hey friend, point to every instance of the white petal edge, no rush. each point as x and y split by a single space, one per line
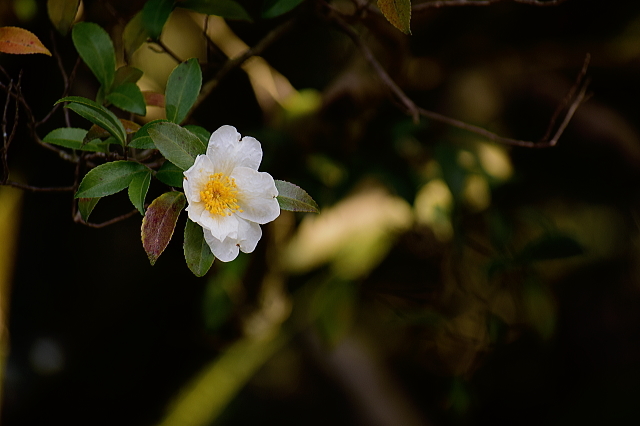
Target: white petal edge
196 177
225 250
249 233
256 196
221 227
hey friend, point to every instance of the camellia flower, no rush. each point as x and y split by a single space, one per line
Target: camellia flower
228 196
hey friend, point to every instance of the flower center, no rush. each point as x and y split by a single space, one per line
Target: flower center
219 195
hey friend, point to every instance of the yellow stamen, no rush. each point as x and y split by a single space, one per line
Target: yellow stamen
219 195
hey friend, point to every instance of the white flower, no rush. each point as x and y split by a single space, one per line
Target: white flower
227 195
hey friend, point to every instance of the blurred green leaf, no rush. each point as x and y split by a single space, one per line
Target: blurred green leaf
293 198
97 114
108 178
170 174
154 15
128 97
86 205
227 9
62 13
134 34
73 138
398 12
159 223
196 250
273 8
127 74
96 50
176 143
550 246
182 90
138 189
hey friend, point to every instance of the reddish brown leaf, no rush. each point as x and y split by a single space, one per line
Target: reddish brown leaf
398 12
153 99
159 222
20 41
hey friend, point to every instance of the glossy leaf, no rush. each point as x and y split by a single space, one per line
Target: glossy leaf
73 138
85 206
182 90
128 97
96 50
142 140
108 178
154 15
170 174
398 12
97 132
134 34
97 114
159 223
62 13
273 8
293 198
196 250
138 189
227 9
176 143
20 41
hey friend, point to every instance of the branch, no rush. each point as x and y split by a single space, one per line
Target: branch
78 219
233 63
444 3
30 188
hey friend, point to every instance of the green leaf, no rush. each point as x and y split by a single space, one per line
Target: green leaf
398 12
183 87
96 50
273 8
548 247
177 144
170 174
128 97
62 13
227 9
108 178
134 34
159 222
141 139
127 74
138 189
85 206
154 15
73 138
196 250
97 114
200 132
294 198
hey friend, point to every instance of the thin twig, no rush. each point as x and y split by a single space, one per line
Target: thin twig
78 219
166 50
30 188
409 106
236 62
445 3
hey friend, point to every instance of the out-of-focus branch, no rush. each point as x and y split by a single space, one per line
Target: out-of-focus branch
576 96
236 62
446 3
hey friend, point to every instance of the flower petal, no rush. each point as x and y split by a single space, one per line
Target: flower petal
227 151
221 227
196 177
249 233
256 196
225 250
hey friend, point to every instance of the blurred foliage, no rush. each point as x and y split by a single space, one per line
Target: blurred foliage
447 280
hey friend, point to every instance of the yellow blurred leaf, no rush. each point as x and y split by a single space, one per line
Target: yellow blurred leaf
398 12
20 41
62 13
